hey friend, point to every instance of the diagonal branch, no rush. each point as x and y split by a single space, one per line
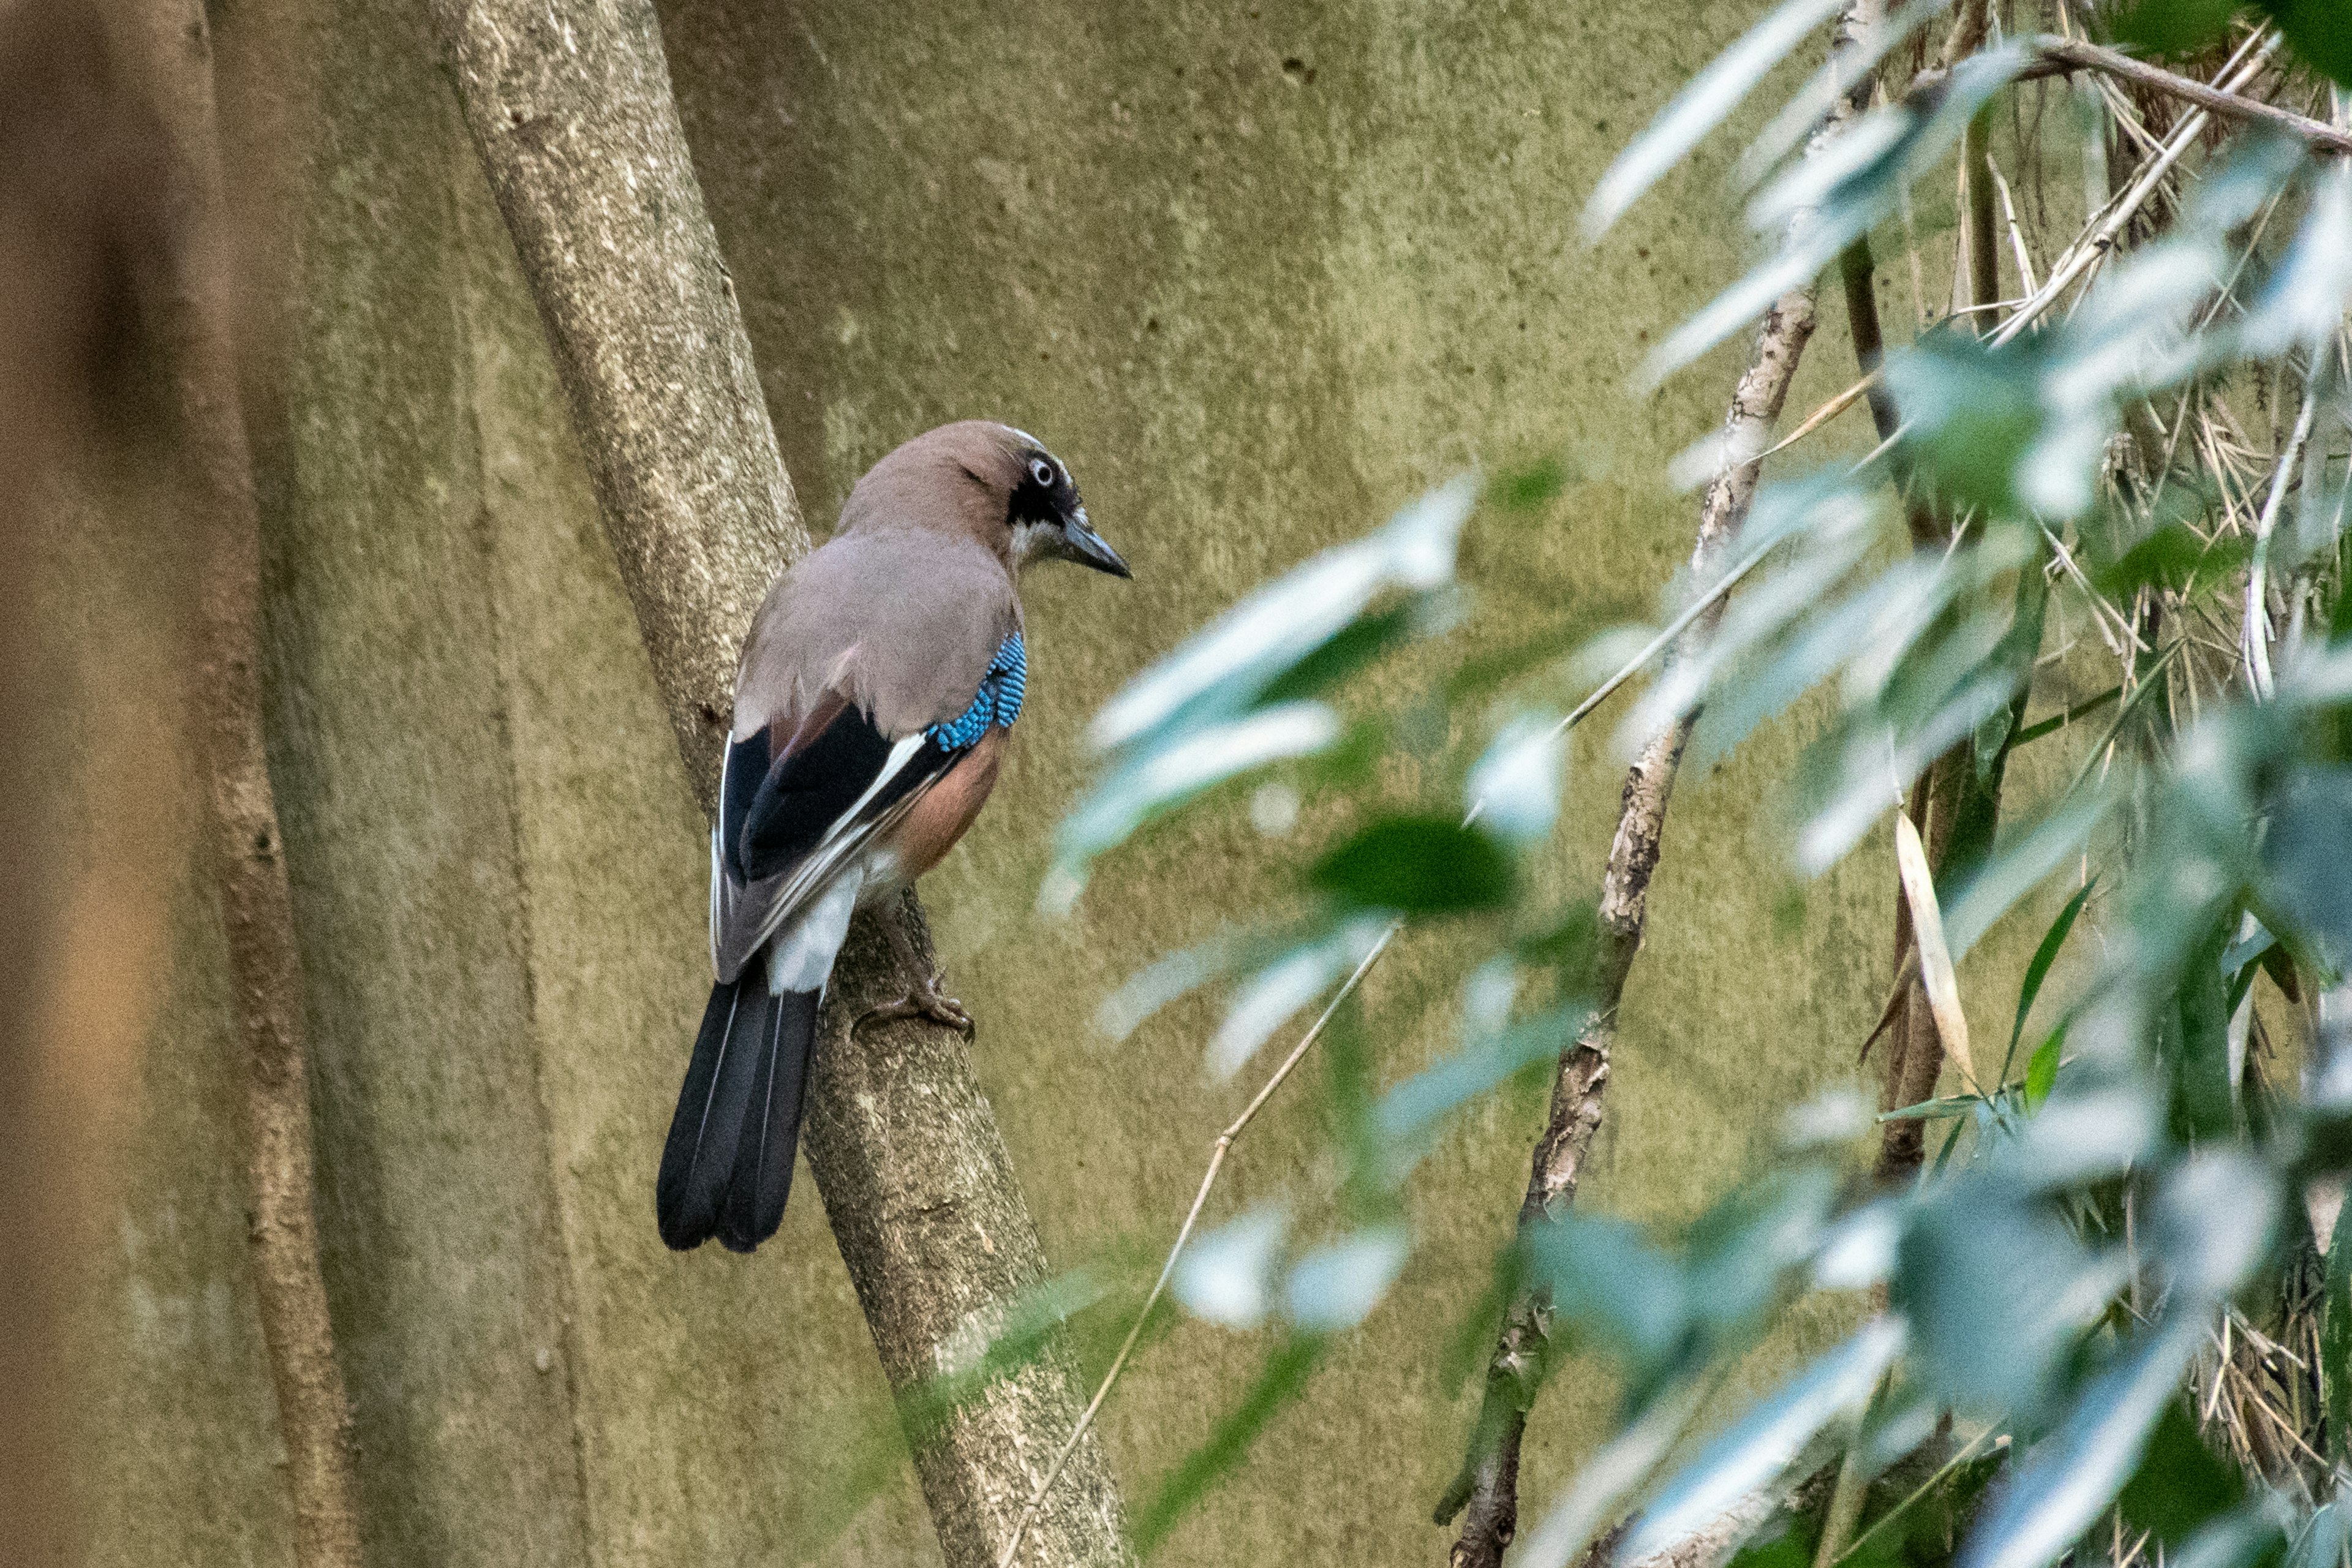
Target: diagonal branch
184 279
569 107
2061 56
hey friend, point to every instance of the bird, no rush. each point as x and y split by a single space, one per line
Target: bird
873 699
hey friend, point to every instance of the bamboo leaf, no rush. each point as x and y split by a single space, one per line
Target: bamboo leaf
1227 1276
2038 970
2016 869
1700 107
1282 988
2077 1472
1623 1463
1766 1441
1515 786
2042 1071
1335 1287
1278 627
1419 865
2179 1486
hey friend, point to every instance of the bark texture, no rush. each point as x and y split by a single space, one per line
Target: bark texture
188 307
571 110
570 107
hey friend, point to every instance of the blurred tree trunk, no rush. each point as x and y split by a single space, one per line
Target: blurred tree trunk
75 995
186 295
571 109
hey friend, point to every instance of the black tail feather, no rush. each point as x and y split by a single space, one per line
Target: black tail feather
728 1166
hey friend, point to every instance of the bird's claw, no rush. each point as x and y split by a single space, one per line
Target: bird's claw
922 1002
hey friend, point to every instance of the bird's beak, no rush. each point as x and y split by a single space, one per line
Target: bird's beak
1082 545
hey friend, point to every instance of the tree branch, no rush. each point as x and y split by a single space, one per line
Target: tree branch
2062 57
569 107
185 282
1486 1491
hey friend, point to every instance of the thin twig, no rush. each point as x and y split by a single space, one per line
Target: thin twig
1599 694
1184 1234
1827 412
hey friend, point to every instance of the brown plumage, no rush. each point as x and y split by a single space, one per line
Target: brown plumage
871 706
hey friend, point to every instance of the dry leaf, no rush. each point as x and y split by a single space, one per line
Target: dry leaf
1935 957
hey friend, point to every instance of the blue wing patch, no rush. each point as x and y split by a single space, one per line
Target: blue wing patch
998 701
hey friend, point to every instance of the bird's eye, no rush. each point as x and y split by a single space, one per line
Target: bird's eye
1041 471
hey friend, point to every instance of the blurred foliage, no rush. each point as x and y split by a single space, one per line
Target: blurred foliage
2099 1323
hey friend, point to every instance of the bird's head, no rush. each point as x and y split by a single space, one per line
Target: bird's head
993 482
1047 519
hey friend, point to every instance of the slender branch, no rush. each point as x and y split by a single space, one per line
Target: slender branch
1968 32
1984 247
570 107
2061 56
1703 606
187 300
1224 1146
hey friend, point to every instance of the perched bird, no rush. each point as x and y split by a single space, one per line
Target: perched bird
871 706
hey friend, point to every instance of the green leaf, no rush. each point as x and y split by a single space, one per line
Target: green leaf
2320 30
2071 1475
1767 1440
1613 1291
1279 1383
2042 1072
2038 970
1973 413
2175 26
2336 1338
1362 641
1419 865
1407 1111
2169 558
1998 1289
2057 721
2196 1041
2180 1484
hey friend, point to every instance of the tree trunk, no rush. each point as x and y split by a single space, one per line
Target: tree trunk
571 109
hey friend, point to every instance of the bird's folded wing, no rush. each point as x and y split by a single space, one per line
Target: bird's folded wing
789 820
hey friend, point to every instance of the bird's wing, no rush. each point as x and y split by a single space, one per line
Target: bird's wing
787 822
794 811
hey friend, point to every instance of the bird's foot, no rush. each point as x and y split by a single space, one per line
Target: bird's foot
922 1002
